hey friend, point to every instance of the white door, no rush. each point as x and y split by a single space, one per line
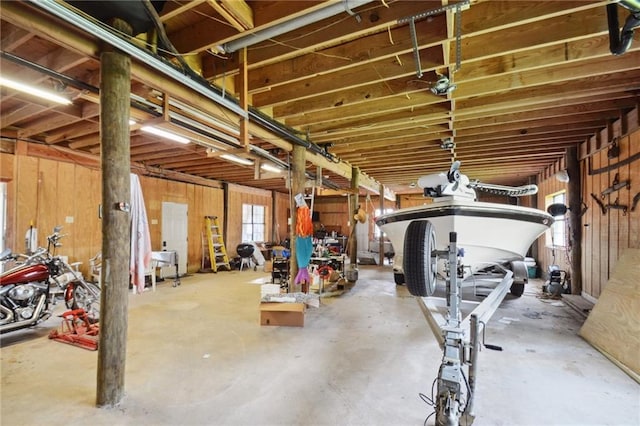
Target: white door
175 235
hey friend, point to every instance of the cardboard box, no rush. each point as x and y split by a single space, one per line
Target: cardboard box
286 314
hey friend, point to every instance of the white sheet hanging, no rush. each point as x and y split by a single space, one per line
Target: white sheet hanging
140 237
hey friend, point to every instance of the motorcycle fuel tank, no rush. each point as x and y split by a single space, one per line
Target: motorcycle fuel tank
25 274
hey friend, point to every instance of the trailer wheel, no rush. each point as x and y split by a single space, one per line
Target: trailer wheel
517 289
418 263
520 277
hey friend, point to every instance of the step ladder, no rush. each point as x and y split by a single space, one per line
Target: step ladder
213 248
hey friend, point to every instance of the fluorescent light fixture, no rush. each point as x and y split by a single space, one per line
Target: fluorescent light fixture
44 94
270 168
164 134
237 159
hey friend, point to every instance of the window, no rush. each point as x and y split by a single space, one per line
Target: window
253 222
556 235
376 229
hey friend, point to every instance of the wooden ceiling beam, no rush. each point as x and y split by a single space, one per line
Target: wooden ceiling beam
199 37
20 113
403 86
432 105
351 78
173 9
13 37
339 29
389 44
240 11
589 86
596 68
551 113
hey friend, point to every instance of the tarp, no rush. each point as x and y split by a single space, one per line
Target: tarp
140 237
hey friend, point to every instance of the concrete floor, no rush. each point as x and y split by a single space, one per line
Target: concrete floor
197 356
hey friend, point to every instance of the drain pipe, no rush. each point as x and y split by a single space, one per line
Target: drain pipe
294 24
619 42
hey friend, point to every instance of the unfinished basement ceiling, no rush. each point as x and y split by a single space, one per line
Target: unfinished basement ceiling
531 79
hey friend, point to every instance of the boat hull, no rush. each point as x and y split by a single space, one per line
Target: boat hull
489 233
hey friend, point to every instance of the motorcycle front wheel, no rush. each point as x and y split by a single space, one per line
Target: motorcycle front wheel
84 296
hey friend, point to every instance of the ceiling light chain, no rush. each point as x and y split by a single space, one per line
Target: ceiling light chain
411 20
416 51
432 12
458 23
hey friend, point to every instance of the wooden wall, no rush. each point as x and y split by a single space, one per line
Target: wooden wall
47 193
201 201
604 236
281 214
335 215
545 251
237 195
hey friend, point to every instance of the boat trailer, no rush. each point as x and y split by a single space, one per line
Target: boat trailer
459 339
77 330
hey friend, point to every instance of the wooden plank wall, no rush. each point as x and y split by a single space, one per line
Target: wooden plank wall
282 209
7 176
605 236
237 195
49 193
334 213
548 255
201 201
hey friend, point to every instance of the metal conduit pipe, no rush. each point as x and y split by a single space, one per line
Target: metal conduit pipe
212 92
294 24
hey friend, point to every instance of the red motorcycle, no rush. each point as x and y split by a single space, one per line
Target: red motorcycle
25 288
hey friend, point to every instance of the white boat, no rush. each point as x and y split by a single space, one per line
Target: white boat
489 233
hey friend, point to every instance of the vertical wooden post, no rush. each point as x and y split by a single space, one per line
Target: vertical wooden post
381 202
297 187
115 86
575 218
353 209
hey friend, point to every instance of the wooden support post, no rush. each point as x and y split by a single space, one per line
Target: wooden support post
297 187
353 209
575 218
381 202
115 87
